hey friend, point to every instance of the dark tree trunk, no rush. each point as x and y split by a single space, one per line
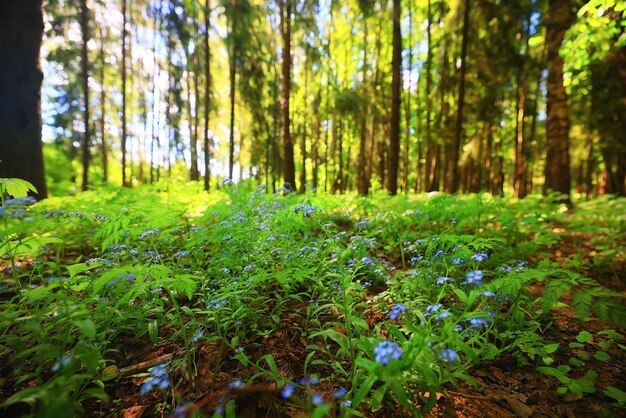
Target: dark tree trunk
21 31
103 140
125 181
362 180
207 96
454 175
289 168
304 131
558 21
394 130
428 103
521 165
233 76
84 63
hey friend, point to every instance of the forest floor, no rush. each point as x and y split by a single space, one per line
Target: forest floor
590 359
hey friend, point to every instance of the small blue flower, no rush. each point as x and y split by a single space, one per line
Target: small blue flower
362 224
236 384
158 378
366 261
474 277
347 403
197 336
443 279
430 309
288 390
340 393
480 257
444 314
449 355
386 351
396 311
317 399
457 261
61 363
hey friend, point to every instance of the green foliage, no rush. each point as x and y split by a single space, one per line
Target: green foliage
385 295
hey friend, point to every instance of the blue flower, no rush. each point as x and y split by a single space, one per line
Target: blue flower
317 399
236 384
474 277
386 351
457 261
340 393
216 303
197 336
448 355
362 224
347 403
288 390
443 279
444 314
366 261
430 309
61 363
396 311
158 378
480 257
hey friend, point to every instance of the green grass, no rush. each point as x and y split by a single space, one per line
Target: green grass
261 290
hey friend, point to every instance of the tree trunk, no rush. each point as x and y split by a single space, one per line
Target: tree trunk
407 110
454 175
304 132
207 96
394 130
521 165
21 31
363 181
103 141
233 76
557 174
428 103
84 63
125 181
289 168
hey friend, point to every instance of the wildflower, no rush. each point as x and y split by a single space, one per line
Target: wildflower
386 351
347 403
158 378
236 384
417 259
362 224
396 311
219 410
216 303
439 253
317 399
457 261
366 260
149 233
478 322
474 277
228 182
488 294
340 393
197 336
480 257
299 208
430 309
448 355
309 210
443 279
62 362
444 314
287 390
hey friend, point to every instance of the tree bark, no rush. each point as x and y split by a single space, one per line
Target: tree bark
394 130
363 181
84 27
21 31
103 141
207 96
454 175
557 174
125 182
289 168
233 76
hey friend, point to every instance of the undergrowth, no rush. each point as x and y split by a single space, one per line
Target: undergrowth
384 302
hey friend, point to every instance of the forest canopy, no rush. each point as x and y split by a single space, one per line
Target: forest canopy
420 95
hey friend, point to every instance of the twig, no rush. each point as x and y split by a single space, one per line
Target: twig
144 365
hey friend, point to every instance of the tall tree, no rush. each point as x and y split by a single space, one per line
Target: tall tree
454 174
558 20
21 31
394 131
104 148
289 167
84 26
125 180
207 95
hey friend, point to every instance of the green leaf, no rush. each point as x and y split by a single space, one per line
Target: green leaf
153 331
18 188
363 390
584 337
87 327
617 394
602 356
